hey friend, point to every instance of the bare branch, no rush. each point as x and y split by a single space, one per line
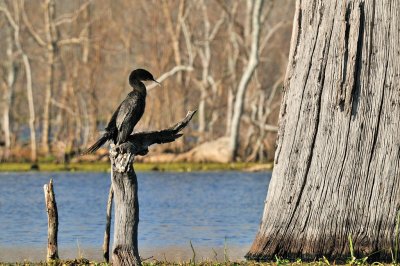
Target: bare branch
170 73
70 41
62 106
71 17
142 140
267 127
186 35
271 32
231 16
216 28
31 30
9 18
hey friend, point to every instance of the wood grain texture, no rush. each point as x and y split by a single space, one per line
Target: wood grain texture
106 239
124 186
337 165
52 222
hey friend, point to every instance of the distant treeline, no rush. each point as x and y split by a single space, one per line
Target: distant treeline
65 64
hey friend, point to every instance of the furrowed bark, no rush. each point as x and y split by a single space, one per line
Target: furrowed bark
52 219
337 164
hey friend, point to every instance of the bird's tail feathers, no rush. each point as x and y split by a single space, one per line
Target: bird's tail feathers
103 139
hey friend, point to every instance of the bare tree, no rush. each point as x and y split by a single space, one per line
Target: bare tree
80 53
206 84
245 79
52 44
14 22
9 77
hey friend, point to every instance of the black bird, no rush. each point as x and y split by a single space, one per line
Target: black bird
128 112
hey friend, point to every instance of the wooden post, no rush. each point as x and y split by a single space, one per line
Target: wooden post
52 219
124 185
106 242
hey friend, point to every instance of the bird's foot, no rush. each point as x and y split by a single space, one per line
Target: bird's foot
125 147
128 147
122 156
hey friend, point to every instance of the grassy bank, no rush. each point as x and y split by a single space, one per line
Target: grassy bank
105 167
200 263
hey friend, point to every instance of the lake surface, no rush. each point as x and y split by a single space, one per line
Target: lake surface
175 208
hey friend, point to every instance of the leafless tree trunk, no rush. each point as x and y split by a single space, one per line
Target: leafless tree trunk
10 68
337 164
52 220
174 33
245 79
232 60
15 24
31 107
229 111
51 46
204 51
86 52
124 185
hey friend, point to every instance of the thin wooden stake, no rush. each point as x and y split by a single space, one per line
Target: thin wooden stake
52 220
106 242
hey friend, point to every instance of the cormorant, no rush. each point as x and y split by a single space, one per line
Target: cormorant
128 112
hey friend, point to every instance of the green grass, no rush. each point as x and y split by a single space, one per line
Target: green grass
188 263
105 166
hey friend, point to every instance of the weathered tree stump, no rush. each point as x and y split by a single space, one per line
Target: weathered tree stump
124 185
52 219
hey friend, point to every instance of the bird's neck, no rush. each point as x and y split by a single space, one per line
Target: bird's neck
137 85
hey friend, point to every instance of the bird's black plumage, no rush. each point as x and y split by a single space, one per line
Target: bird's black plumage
128 112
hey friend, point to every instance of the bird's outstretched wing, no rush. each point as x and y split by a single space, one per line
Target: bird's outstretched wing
142 140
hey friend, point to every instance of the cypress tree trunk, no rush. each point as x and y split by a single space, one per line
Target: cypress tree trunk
337 164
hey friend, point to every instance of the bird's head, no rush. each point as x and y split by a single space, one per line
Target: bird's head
141 75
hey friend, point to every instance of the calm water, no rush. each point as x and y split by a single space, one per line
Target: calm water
175 208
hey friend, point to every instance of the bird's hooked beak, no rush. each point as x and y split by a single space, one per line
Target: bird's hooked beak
158 83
